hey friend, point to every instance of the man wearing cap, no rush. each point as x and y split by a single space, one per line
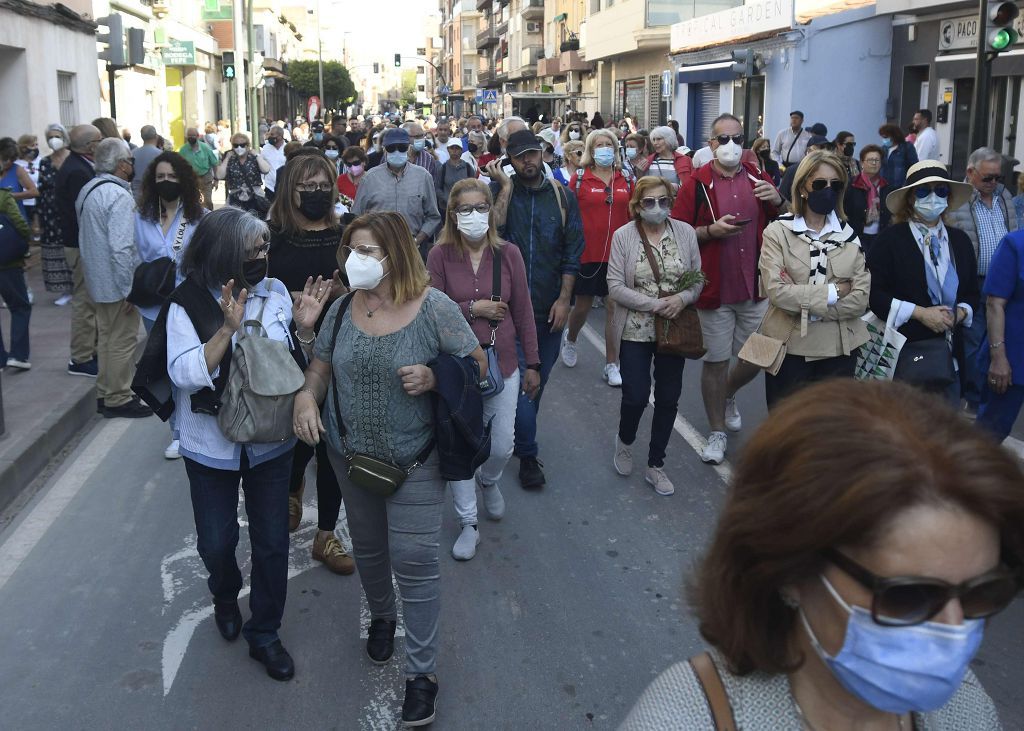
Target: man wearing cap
401 187
791 143
542 218
418 154
450 172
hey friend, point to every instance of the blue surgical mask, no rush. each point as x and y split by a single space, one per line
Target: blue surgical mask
318 136
930 207
418 145
398 159
900 669
886 142
331 154
604 156
630 153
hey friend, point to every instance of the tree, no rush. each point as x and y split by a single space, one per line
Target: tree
338 86
408 90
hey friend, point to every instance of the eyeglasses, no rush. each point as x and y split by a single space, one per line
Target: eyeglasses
901 601
467 209
365 251
992 178
724 139
822 183
939 189
313 187
261 251
649 204
397 147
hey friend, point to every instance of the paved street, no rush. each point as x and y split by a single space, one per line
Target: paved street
572 605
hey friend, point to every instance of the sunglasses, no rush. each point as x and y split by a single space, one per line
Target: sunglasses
397 147
724 139
939 189
902 601
650 203
992 178
313 187
821 184
609 198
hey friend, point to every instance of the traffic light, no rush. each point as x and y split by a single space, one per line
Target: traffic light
744 63
376 68
398 60
228 65
114 38
136 46
1000 34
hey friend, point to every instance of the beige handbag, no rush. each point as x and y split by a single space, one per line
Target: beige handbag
764 351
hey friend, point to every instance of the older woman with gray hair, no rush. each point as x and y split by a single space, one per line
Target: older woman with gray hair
225 286
56 272
669 160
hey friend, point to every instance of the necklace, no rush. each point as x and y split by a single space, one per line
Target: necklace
369 312
810 727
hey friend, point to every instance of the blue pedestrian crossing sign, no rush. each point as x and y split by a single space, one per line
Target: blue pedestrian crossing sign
487 96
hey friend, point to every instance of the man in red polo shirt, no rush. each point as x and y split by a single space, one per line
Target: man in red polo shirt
729 203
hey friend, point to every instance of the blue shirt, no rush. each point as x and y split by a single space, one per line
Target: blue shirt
1006 280
991 229
152 244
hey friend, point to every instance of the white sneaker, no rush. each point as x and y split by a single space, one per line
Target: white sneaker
714 452
659 480
494 501
171 452
21 365
62 300
733 421
569 354
612 375
465 546
623 459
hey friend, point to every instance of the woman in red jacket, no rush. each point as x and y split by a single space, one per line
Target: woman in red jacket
669 161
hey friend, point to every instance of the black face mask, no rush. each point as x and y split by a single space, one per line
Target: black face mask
848 149
472 147
765 154
822 201
254 271
168 190
314 204
193 140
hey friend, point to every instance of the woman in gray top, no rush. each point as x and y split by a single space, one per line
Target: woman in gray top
394 325
867 537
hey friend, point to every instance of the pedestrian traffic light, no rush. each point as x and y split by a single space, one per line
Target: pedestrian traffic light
744 63
1000 34
228 72
136 46
114 39
376 68
398 60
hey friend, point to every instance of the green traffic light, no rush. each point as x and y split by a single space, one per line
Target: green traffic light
1002 39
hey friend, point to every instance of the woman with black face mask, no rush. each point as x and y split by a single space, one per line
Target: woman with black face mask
304 239
817 283
168 212
846 145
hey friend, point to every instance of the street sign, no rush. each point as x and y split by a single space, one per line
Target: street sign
666 84
179 53
444 91
313 108
962 33
488 96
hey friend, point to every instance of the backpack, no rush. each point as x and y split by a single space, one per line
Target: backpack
256 406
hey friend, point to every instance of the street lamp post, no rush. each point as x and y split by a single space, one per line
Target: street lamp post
320 59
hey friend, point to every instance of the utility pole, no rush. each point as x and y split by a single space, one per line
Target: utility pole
996 34
241 120
320 60
254 106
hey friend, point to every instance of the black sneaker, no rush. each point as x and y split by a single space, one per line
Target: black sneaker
133 409
531 474
89 368
418 708
380 640
99 406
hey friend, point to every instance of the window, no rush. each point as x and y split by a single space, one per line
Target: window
629 99
667 12
467 78
66 98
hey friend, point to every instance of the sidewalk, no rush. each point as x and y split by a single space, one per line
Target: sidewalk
44 408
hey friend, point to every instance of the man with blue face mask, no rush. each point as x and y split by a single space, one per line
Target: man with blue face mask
402 187
418 154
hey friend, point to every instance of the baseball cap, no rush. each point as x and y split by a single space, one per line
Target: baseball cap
396 136
522 141
454 142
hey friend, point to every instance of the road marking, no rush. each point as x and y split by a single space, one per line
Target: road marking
686 430
1015 445
31 530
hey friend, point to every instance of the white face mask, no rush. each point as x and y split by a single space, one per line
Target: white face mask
574 135
473 225
729 155
364 272
55 143
240 150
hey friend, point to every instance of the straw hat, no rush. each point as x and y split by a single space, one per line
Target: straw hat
929 171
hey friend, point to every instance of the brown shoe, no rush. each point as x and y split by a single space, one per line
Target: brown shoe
295 508
327 549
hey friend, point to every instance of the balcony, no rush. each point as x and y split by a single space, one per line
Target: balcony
481 4
562 64
532 9
501 29
528 58
484 78
487 37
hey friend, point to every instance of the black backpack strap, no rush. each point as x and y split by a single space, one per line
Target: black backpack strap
338 318
495 287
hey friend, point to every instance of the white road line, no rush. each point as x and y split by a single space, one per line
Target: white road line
31 530
1015 445
686 430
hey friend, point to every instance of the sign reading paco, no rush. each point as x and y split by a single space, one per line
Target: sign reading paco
957 33
751 19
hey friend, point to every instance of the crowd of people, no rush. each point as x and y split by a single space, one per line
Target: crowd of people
395 259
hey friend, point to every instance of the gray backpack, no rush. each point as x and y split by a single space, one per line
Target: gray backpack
256 406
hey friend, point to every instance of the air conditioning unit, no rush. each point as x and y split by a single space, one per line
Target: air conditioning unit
533 26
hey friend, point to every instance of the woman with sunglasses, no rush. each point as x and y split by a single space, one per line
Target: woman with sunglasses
462 266
575 131
354 166
243 171
603 193
639 295
817 284
867 537
927 271
572 159
225 268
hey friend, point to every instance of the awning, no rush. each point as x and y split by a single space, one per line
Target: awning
707 72
537 95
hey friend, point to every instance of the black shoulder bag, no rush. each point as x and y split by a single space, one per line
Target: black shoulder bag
376 476
495 382
153 281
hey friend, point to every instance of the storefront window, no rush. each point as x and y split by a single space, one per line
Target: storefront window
667 12
751 127
629 99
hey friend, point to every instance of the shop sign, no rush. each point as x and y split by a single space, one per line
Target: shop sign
179 53
962 33
754 18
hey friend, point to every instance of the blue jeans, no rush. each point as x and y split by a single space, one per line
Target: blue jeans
998 412
635 364
14 292
974 377
549 342
215 506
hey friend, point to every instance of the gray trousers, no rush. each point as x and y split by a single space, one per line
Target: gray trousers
400 534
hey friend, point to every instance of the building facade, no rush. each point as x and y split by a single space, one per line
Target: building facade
564 70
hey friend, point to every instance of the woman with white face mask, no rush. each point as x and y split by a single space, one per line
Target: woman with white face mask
372 373
927 272
56 273
867 537
573 132
462 266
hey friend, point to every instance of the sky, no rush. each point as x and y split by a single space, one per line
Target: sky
376 31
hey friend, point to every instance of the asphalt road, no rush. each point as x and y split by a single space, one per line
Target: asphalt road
572 605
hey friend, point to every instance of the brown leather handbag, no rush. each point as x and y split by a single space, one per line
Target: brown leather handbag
714 690
683 335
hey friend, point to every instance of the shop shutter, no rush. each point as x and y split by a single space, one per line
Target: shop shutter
653 101
709 99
